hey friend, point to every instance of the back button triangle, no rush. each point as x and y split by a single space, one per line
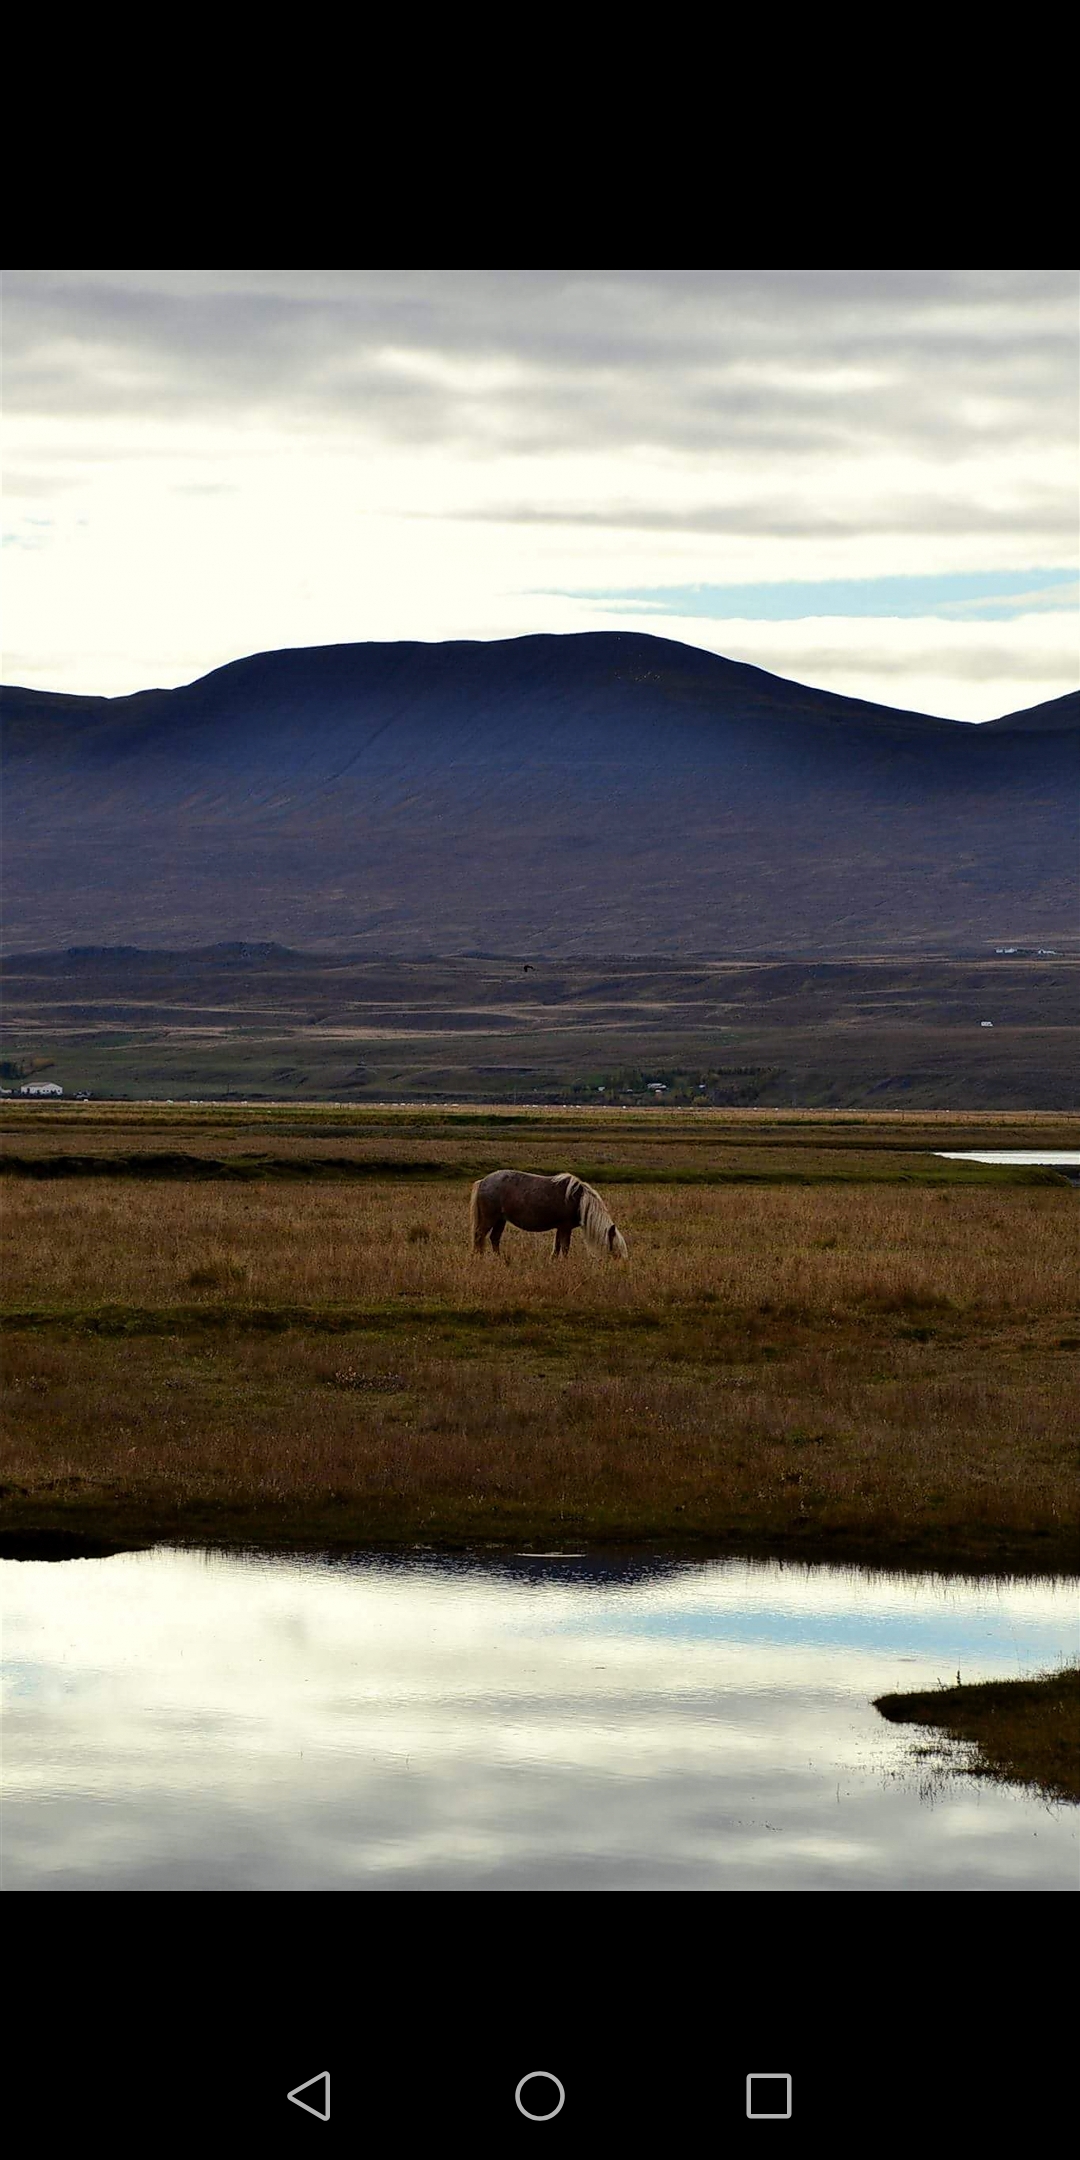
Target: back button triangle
318 2101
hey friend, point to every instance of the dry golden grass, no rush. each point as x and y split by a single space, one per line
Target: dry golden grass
131 1116
682 1150
715 1141
402 1431
805 1252
882 1366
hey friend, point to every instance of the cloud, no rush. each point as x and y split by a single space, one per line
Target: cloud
968 664
776 361
1039 511
242 459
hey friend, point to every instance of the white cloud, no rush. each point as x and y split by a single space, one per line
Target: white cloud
237 460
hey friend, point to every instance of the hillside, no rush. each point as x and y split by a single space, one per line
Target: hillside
566 796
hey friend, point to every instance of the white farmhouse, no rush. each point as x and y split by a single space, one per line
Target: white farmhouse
42 1087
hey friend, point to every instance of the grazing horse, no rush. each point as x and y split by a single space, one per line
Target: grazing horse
563 1204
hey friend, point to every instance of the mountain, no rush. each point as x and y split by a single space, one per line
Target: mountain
1058 712
588 794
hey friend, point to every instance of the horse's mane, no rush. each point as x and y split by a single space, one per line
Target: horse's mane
593 1215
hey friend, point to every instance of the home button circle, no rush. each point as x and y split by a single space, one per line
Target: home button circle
539 2095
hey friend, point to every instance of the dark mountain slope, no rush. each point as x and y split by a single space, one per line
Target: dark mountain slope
582 794
1058 712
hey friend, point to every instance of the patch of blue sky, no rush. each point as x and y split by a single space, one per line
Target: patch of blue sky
947 1634
24 1677
976 595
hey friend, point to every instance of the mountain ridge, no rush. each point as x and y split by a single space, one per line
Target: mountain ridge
1053 713
1061 711
589 792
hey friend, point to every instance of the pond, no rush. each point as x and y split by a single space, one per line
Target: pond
180 1720
1049 1158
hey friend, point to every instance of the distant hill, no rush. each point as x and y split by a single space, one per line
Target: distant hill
595 794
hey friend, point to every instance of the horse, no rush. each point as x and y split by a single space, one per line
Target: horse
563 1204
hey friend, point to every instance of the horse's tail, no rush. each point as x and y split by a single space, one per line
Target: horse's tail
478 1220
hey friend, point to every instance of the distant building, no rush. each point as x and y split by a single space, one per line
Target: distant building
42 1087
999 949
657 1087
986 1023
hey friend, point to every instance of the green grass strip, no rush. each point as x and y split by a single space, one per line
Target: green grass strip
916 1169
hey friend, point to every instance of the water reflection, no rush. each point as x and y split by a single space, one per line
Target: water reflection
187 1721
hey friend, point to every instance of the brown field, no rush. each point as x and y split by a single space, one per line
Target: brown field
880 1371
816 1255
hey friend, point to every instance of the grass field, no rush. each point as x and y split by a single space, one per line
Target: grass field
825 1342
1018 1732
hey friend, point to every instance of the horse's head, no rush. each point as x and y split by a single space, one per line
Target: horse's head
616 1244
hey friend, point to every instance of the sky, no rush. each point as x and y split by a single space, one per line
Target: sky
862 479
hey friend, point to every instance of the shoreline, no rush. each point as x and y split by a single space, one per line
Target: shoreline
34 1531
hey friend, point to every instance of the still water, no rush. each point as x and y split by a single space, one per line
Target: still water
1051 1158
178 1720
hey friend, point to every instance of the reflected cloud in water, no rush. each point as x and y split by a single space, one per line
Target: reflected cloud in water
189 1721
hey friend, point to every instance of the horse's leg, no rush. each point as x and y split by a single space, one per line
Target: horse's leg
484 1226
561 1245
496 1234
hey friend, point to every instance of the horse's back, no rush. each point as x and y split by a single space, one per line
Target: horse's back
527 1199
527 1184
